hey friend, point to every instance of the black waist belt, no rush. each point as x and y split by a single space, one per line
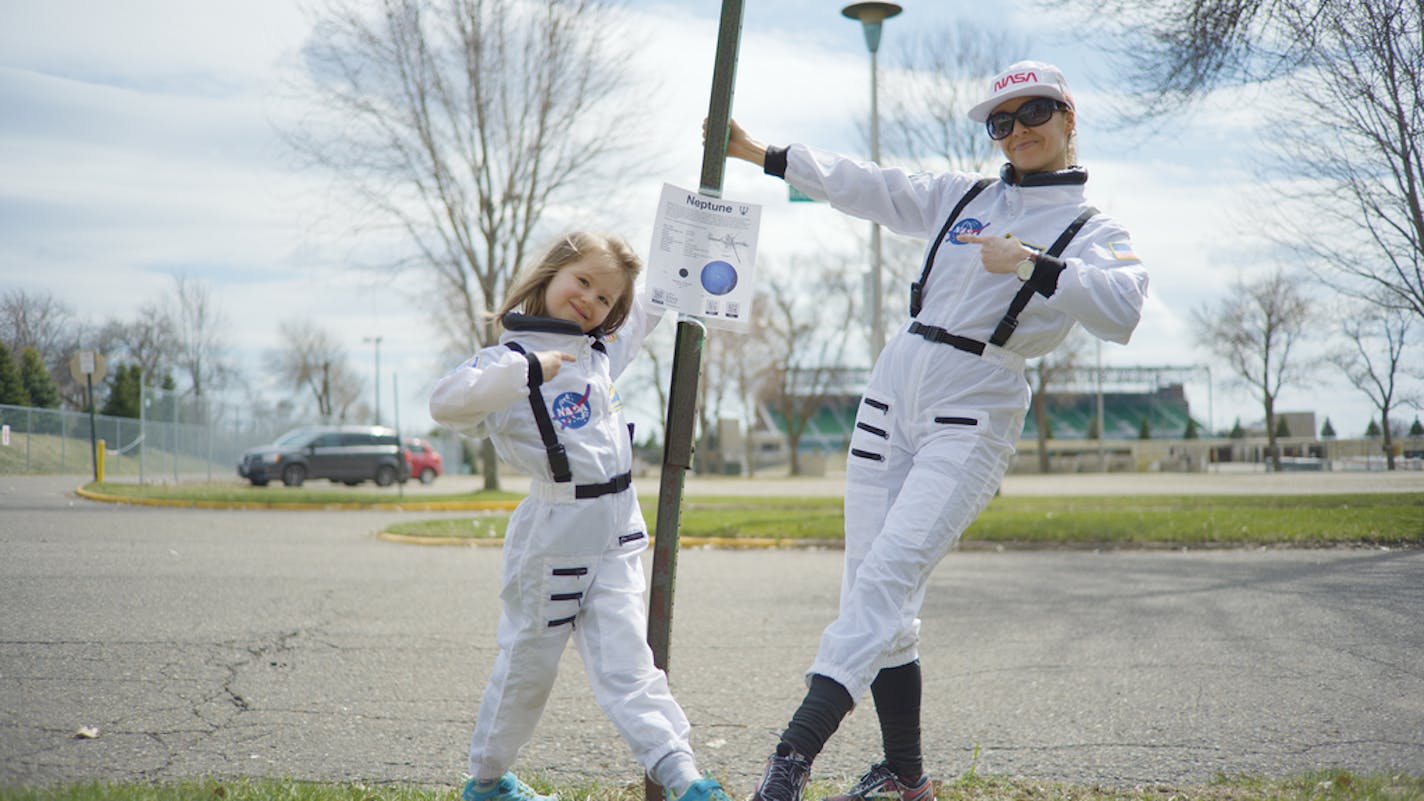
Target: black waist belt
611 487
936 334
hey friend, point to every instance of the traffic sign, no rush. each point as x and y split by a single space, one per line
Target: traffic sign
88 363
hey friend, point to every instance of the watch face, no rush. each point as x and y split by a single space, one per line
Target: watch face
1024 269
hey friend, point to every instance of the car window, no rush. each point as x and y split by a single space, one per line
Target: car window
292 438
415 447
330 440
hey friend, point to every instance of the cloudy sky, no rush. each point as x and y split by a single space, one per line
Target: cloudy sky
137 142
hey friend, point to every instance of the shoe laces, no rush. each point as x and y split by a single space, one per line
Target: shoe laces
878 775
785 776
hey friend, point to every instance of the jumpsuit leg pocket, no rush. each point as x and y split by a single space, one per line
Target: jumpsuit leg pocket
565 586
953 431
870 441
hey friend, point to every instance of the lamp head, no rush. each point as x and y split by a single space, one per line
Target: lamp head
871 15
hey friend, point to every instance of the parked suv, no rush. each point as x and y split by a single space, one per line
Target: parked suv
348 454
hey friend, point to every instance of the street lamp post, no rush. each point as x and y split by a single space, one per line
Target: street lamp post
871 15
377 340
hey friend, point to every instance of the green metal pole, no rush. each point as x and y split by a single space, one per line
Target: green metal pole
687 366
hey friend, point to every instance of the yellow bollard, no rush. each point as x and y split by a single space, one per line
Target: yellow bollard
99 460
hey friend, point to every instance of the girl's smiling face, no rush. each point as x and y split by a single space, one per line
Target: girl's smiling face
583 291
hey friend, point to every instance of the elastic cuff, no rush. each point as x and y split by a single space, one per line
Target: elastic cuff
536 370
1045 274
775 161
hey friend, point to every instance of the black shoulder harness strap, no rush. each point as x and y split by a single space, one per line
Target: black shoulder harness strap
917 289
558 458
1011 317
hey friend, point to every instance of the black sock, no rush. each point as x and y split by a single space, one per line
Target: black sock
826 704
897 703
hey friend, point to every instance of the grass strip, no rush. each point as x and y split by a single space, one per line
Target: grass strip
1390 519
1322 786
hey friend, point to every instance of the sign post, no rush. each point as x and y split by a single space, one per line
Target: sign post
687 364
89 366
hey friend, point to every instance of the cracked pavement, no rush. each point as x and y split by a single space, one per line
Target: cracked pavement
297 644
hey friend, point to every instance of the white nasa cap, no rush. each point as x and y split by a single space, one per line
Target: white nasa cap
1033 78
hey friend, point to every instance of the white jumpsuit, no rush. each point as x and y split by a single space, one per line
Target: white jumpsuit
936 429
572 567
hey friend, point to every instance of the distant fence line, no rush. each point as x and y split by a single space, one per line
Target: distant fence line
176 437
192 440
159 447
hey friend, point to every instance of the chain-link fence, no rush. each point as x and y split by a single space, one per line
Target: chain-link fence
173 437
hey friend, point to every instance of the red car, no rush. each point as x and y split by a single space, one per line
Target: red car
425 462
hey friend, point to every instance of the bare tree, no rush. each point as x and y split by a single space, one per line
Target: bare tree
196 323
146 341
806 334
1177 52
310 361
939 75
1360 150
1352 153
1044 372
1372 362
1255 330
48 325
461 123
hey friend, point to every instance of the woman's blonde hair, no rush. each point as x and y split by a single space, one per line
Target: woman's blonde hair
527 292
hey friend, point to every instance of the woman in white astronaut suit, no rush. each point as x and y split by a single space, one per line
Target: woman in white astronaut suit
572 550
1007 275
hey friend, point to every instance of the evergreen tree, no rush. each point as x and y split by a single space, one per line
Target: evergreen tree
1416 430
1144 431
1282 430
39 384
1373 430
1191 432
124 392
1237 432
1327 431
12 387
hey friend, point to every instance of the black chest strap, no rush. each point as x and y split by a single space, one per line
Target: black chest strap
1010 321
558 458
917 289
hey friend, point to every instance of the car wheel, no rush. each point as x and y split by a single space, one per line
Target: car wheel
427 475
385 475
293 475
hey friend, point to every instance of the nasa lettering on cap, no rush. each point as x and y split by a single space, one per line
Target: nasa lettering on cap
1032 78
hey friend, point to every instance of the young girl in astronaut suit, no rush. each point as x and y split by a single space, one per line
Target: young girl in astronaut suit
946 399
572 550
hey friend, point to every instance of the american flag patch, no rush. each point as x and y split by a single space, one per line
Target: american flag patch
1123 251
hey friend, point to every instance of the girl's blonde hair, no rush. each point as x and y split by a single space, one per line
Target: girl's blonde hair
527 292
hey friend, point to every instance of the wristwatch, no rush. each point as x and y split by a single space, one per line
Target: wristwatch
1024 269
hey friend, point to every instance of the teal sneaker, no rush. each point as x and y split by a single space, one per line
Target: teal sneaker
704 789
508 788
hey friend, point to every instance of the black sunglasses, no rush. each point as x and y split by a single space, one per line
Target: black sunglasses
1032 114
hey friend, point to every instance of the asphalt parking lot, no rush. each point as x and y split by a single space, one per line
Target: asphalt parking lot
298 644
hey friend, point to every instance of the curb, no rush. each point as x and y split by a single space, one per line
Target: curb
384 506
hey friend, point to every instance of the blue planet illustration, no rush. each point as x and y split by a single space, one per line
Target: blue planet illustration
719 277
